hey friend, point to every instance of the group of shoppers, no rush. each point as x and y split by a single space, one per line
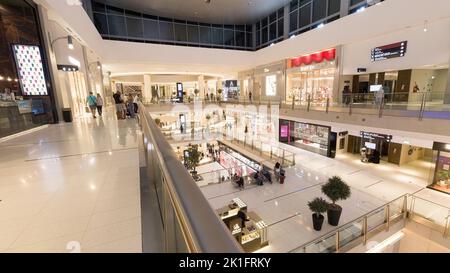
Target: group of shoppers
127 106
95 104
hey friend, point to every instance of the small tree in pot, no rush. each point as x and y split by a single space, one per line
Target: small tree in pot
318 206
336 190
193 159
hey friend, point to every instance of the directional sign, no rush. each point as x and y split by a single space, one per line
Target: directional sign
389 51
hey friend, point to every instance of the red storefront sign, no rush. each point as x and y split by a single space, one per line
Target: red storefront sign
318 57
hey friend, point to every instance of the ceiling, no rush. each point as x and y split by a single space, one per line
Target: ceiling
217 11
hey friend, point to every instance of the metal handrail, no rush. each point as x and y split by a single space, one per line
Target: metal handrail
388 218
418 197
202 230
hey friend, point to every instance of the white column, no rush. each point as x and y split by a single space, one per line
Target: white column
147 94
201 86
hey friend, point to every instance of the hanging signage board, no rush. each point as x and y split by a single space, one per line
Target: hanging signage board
370 135
389 51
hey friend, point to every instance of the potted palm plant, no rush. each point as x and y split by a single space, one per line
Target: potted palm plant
336 190
318 206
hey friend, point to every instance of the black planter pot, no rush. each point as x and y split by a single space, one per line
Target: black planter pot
334 214
317 221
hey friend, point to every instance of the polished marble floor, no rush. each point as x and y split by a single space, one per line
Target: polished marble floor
72 187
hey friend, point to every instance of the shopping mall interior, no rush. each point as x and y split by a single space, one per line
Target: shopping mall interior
192 126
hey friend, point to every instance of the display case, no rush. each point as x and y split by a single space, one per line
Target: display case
311 137
253 235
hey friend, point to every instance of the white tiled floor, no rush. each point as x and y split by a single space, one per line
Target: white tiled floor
72 182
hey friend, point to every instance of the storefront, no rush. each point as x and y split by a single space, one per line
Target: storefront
231 90
26 95
239 164
311 77
441 177
403 86
311 137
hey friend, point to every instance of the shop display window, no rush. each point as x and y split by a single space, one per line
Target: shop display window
441 180
311 137
316 84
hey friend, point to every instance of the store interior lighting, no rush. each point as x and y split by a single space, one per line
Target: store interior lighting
69 42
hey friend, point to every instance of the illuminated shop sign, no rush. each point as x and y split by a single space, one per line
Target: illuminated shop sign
389 51
370 135
318 57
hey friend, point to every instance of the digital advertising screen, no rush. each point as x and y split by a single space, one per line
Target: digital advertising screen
30 70
284 131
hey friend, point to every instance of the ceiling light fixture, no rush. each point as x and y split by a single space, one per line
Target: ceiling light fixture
425 26
69 42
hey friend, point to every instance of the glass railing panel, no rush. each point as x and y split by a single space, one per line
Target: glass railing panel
376 219
350 233
396 208
429 210
325 245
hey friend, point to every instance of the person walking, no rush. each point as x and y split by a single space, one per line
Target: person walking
119 105
130 106
346 95
99 104
91 101
276 171
135 103
250 96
